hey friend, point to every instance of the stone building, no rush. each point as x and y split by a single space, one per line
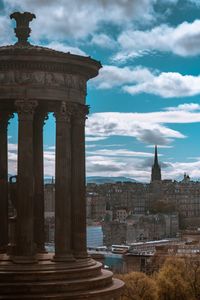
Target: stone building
140 228
175 204
158 196
132 196
96 205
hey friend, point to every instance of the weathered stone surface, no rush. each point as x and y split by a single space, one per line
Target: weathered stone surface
82 279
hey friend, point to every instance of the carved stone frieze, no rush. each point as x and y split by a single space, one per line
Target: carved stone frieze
26 109
46 79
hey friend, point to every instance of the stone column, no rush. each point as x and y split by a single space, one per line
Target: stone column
63 248
78 181
25 247
39 234
4 118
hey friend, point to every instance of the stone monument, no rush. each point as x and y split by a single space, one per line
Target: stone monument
33 82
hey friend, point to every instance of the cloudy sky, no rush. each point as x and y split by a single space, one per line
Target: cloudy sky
147 92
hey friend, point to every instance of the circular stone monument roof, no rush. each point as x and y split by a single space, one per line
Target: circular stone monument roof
42 73
41 54
24 51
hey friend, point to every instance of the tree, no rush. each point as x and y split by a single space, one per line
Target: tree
172 281
138 286
192 269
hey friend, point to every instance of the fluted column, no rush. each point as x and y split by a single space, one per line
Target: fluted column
4 118
25 247
78 181
63 247
39 233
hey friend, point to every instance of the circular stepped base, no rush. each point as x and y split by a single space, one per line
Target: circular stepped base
82 279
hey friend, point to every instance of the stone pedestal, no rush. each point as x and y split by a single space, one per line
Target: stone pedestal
83 279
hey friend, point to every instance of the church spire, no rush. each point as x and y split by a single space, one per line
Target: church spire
156 156
155 170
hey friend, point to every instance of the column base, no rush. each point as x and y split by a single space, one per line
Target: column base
3 249
41 249
24 259
63 258
11 249
49 280
81 255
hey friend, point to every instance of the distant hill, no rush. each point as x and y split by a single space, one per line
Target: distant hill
97 179
101 179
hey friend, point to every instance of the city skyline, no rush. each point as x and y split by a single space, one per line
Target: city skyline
147 92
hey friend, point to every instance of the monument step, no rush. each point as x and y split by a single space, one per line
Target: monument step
51 272
54 287
110 292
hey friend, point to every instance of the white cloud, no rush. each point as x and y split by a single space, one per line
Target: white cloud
115 166
182 40
185 107
47 148
12 147
94 138
113 76
49 163
58 20
104 41
119 153
65 48
138 168
196 2
142 80
177 169
49 160
149 127
12 163
6 30
168 85
146 127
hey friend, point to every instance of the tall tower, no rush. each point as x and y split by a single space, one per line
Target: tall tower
155 170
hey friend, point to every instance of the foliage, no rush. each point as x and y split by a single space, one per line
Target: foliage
174 280
178 279
138 286
192 269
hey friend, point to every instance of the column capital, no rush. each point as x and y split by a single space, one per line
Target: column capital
64 112
26 109
79 113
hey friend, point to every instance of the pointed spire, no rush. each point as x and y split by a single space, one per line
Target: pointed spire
156 156
155 171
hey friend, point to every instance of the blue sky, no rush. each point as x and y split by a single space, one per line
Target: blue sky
147 92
